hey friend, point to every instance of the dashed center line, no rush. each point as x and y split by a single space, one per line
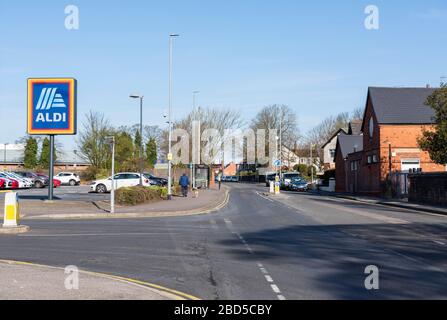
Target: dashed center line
261 267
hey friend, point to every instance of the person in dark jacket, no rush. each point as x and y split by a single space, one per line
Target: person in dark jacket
184 183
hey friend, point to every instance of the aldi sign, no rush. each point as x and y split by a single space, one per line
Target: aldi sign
52 106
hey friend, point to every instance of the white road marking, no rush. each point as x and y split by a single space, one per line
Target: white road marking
275 288
261 267
439 242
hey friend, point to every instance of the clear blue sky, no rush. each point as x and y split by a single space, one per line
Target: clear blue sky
315 56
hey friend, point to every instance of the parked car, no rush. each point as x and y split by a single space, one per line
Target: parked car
22 182
156 181
286 179
299 184
126 179
38 181
268 178
232 179
56 183
2 183
9 183
68 178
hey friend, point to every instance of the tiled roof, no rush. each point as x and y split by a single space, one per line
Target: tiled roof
349 144
401 105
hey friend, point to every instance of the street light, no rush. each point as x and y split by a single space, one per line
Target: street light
194 99
171 37
137 96
312 163
111 141
4 157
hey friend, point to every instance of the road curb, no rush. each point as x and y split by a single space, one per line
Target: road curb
14 230
162 291
158 214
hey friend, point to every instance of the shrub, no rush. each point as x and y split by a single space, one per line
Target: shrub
89 174
137 195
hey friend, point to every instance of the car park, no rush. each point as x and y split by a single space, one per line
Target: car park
68 178
38 181
125 179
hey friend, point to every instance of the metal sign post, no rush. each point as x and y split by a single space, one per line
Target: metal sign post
51 173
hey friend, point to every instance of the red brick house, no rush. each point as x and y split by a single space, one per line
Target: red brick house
346 145
393 121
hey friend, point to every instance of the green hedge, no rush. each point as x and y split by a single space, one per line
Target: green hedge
137 195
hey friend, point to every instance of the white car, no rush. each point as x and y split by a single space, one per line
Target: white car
125 179
68 178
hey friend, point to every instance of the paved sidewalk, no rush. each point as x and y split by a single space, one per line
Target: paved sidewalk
20 281
392 203
207 201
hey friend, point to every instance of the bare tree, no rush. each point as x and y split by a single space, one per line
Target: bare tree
92 139
273 117
223 121
320 134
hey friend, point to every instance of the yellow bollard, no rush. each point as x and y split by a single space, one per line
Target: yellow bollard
12 210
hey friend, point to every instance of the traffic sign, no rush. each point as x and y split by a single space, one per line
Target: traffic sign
277 163
52 106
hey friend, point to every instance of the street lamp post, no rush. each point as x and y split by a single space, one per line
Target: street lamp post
312 163
111 141
137 96
171 37
280 143
194 100
4 155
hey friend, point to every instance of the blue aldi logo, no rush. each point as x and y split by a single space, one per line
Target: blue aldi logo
52 106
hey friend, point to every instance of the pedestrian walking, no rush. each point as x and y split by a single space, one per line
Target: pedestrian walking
184 183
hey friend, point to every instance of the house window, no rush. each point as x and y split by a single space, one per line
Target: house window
354 165
375 159
369 159
332 153
371 128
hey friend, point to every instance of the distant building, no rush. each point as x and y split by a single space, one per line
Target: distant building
329 150
393 121
12 156
346 145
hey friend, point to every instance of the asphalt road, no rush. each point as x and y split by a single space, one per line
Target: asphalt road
300 247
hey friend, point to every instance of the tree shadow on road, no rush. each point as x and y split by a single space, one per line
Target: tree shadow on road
333 258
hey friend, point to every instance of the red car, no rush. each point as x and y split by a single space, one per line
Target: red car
56 183
2 183
15 184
